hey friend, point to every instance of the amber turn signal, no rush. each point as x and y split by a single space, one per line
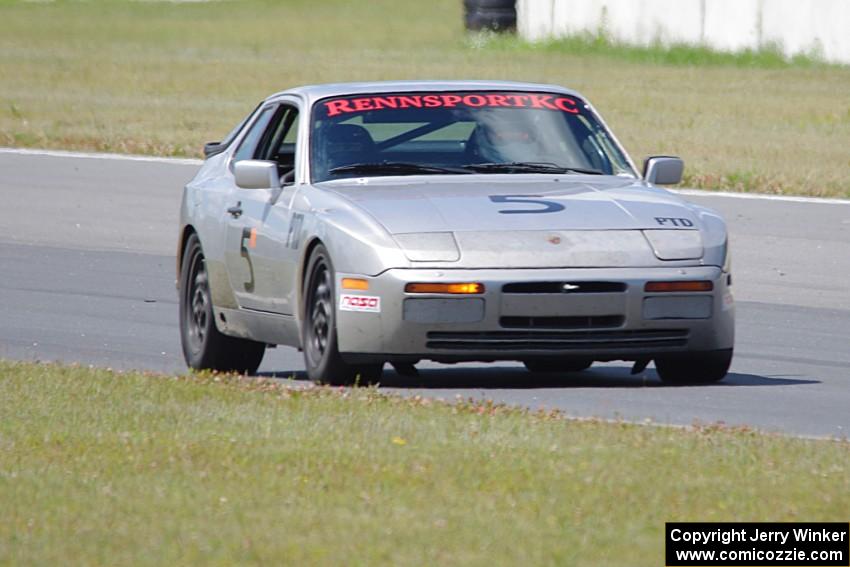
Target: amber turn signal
355 283
454 288
657 287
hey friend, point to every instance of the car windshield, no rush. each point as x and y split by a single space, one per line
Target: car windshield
459 133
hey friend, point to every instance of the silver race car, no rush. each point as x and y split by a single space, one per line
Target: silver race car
459 221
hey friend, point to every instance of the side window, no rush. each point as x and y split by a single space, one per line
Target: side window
249 143
227 140
280 145
286 149
292 133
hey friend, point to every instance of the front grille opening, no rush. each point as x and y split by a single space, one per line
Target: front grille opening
555 341
586 322
564 287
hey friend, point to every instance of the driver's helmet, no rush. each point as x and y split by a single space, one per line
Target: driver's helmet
346 144
503 141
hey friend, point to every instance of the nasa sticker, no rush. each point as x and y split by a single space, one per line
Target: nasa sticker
365 303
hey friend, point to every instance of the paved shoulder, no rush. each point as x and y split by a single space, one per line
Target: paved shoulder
59 200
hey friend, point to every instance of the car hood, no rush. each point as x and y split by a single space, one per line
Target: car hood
485 203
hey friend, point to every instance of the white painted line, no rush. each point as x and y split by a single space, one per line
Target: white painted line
786 198
94 155
189 161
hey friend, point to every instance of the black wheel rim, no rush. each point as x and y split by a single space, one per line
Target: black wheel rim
197 304
320 309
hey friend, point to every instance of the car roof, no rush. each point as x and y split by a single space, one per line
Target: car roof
312 93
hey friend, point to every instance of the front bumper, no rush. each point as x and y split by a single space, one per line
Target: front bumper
615 321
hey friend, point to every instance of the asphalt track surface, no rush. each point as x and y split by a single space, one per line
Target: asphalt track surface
87 275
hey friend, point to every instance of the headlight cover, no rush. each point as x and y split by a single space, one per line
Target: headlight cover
675 244
428 246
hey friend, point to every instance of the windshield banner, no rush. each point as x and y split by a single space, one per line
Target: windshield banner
452 100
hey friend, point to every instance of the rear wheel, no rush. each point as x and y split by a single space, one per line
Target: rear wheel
694 367
558 364
204 347
319 332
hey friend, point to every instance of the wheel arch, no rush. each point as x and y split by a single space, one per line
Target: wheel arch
302 272
185 234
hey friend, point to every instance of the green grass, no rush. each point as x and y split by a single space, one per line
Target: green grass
132 469
162 78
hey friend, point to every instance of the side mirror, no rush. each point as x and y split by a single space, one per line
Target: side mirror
256 174
663 170
213 148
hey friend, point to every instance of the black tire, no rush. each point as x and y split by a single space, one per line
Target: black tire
319 333
493 20
506 5
204 347
694 367
496 15
558 364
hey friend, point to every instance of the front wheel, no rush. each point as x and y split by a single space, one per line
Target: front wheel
204 347
319 332
694 367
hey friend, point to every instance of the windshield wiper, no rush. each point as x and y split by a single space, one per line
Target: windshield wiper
528 167
399 168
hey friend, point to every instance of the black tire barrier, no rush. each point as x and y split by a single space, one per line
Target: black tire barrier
495 15
490 4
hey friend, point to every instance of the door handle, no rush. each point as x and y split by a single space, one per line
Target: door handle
236 210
